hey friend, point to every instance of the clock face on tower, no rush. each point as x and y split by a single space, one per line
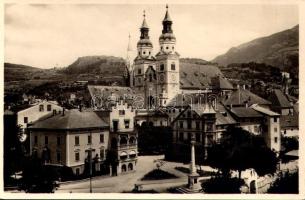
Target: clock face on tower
173 77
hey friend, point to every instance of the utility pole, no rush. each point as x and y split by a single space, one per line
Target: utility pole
90 161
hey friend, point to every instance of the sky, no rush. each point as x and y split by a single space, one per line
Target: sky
55 35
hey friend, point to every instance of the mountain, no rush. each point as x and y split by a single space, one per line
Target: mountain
280 50
17 72
98 68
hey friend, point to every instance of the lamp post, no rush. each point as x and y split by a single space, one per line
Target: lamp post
90 161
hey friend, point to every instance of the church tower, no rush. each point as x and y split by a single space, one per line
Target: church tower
167 63
144 81
129 65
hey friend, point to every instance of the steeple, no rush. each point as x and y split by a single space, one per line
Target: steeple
144 28
167 23
144 45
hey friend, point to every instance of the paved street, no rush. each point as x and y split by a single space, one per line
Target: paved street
126 182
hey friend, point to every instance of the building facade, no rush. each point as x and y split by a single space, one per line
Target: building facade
71 139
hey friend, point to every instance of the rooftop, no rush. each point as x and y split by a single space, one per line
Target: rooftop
289 121
243 96
243 112
278 98
72 119
264 110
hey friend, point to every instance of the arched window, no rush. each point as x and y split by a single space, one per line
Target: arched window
123 168
123 141
132 140
130 167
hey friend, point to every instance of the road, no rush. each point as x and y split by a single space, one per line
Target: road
126 182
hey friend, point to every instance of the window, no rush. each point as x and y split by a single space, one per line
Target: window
58 141
161 48
126 122
275 139
181 124
102 153
121 112
209 127
162 67
89 139
35 139
189 124
150 77
139 80
256 129
76 140
189 137
275 129
180 136
173 67
115 124
275 119
58 158
172 48
76 156
77 171
101 138
41 108
174 110
166 47
189 113
149 52
46 140
25 119
144 52
49 107
139 71
198 137
197 125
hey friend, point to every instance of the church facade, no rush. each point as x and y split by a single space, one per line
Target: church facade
156 77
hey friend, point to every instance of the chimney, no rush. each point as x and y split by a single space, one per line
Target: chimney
63 112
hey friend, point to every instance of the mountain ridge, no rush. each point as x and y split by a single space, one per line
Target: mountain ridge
274 50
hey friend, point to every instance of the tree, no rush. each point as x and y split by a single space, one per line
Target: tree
38 178
286 184
241 150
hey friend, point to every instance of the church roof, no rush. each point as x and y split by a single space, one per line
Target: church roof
167 17
144 24
194 76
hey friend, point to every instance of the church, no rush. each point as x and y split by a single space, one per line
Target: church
159 78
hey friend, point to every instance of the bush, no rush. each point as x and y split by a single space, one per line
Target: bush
219 185
286 184
158 174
